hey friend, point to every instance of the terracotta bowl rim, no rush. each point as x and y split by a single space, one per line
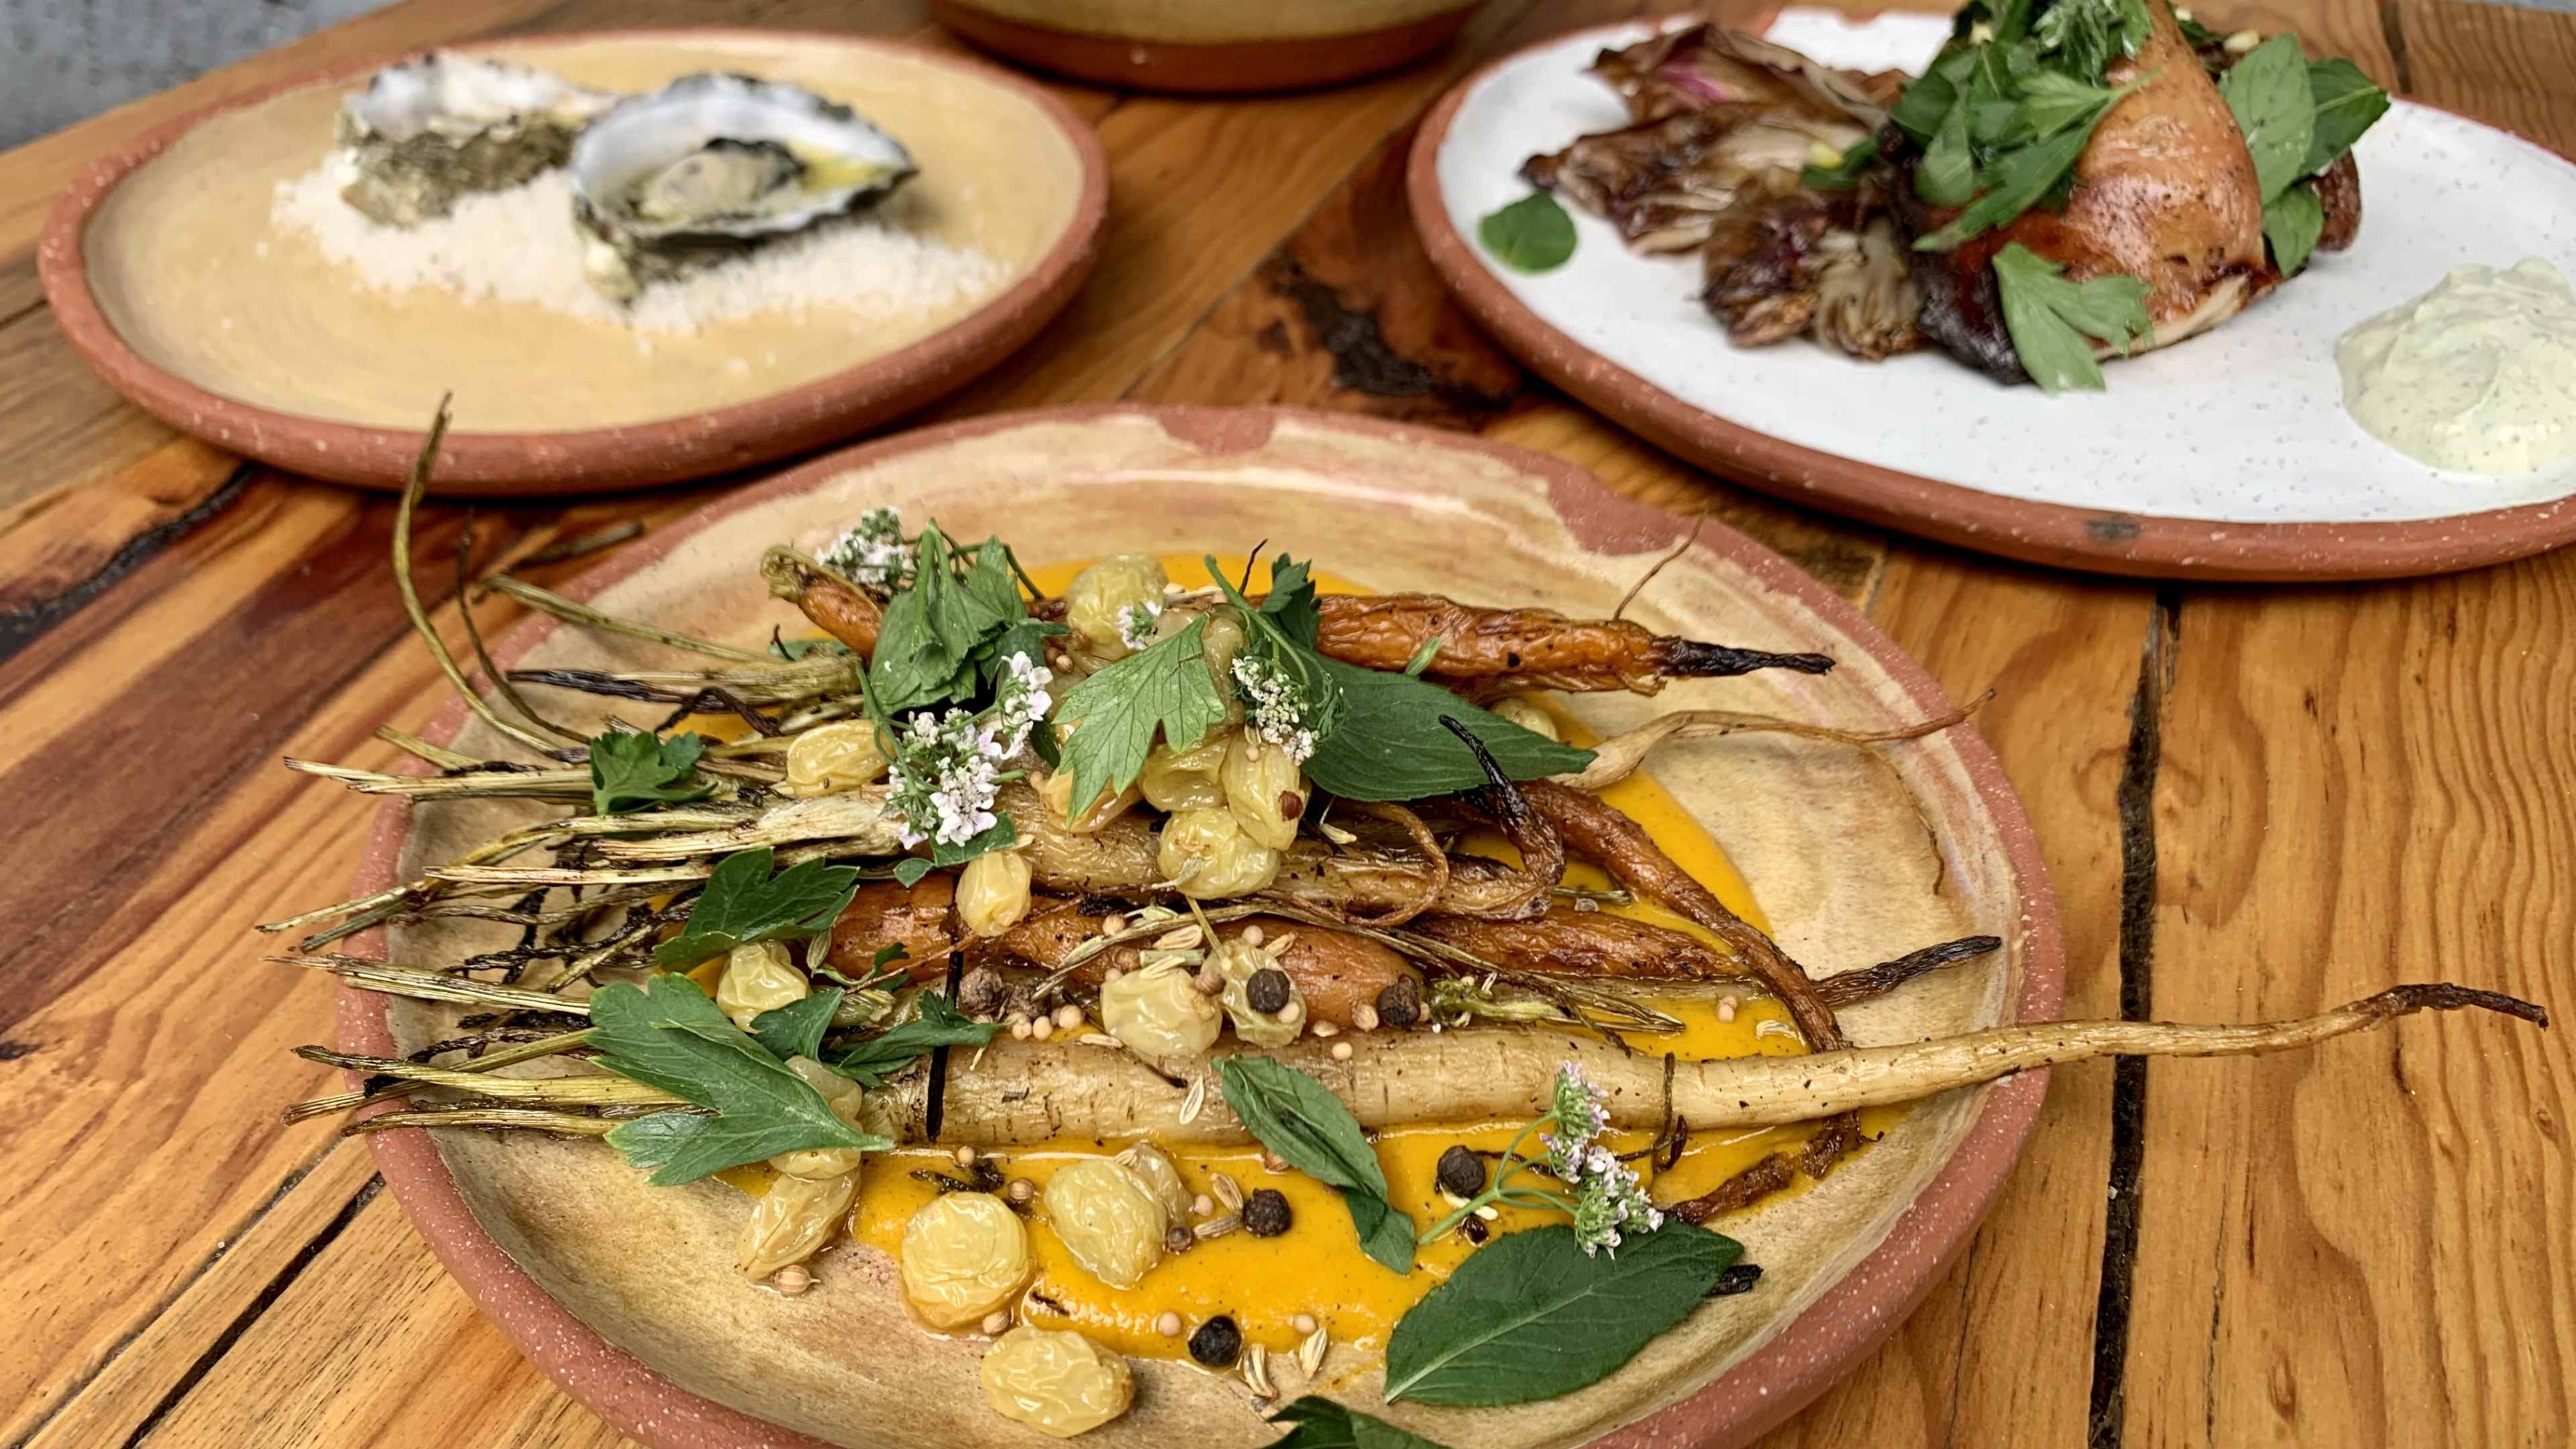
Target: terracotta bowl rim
2095 540
580 460
1800 1361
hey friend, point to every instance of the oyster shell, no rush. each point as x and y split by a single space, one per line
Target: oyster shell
429 130
714 164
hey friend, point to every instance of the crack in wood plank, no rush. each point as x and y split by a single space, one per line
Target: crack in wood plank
2105 1423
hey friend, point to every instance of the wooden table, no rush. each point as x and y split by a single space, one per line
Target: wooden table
2254 802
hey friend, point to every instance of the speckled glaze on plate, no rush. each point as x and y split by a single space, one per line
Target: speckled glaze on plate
167 276
2228 456
626 1296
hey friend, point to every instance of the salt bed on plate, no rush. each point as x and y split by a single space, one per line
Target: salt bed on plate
520 245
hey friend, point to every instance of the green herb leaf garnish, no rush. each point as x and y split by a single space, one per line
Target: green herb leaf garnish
938 1023
1531 1316
1115 715
668 1034
796 1029
632 770
2053 320
2292 222
2268 91
1847 170
1532 234
1948 173
1391 745
743 903
2347 102
1323 1424
1296 1117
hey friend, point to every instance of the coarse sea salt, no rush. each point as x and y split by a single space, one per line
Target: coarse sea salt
520 245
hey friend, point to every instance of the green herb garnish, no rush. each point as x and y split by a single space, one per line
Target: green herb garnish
1847 170
2299 117
1323 1424
668 1034
2347 102
1296 1117
632 770
1532 234
796 1029
938 1023
2268 92
2292 222
1532 1316
744 903
2053 321
1391 745
1114 716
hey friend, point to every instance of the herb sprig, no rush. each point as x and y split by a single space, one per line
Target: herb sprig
633 770
743 903
1322 1424
2299 117
1294 1116
2054 322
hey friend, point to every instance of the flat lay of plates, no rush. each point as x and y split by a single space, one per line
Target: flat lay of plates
2228 456
169 272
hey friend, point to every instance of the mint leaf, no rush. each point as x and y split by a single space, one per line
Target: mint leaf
2085 36
1323 1424
910 872
2014 182
928 633
1532 234
1390 744
796 1029
1163 690
2268 92
668 1034
2052 319
743 903
2292 222
2347 102
632 770
1298 1118
938 1023
1530 1316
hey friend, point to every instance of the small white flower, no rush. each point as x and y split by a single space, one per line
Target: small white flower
872 552
1136 623
1274 704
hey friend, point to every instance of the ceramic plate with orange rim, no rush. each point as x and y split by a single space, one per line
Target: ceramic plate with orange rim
181 270
629 1295
2228 456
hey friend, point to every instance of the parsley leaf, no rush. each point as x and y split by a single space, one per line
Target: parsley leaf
667 1034
796 1029
2051 318
2292 222
2268 92
743 903
938 1023
1298 1118
1323 1424
1391 745
632 770
2347 102
1948 173
1164 689
1532 234
2015 181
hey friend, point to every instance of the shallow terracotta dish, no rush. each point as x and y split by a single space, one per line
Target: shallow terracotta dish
626 1295
2226 457
166 272
1209 47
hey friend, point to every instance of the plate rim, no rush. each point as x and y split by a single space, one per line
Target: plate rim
1810 1353
2060 535
582 460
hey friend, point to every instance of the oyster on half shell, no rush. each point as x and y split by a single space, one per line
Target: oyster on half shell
429 130
714 164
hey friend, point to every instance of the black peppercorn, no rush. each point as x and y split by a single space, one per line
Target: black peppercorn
1267 991
1265 1213
1462 1173
1475 1229
1400 1004
1217 1343
1739 1278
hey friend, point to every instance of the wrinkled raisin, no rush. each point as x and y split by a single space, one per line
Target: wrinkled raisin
1265 1213
1738 1279
1217 1343
1400 1004
1267 991
1462 1173
1475 1229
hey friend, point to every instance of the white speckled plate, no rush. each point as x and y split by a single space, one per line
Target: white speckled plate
2229 456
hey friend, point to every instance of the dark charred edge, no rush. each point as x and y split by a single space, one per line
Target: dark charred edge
1363 360
2443 996
2106 1418
1691 659
22 626
10 1051
935 1105
2392 28
1844 988
251 1311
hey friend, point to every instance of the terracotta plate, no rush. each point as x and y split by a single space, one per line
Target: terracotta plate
1209 47
169 270
626 1295
2227 457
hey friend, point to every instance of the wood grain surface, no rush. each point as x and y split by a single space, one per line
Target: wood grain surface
2252 802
